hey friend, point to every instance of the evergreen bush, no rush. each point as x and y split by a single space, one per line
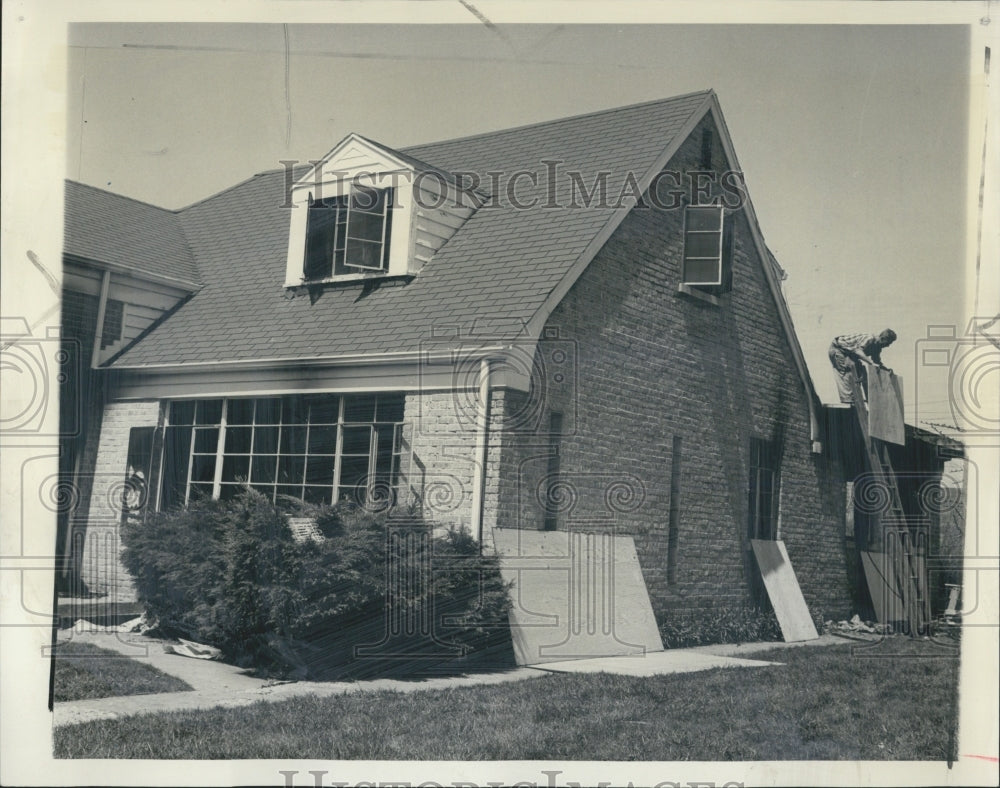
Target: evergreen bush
378 594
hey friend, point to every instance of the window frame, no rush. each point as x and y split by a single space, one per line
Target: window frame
346 202
336 488
723 259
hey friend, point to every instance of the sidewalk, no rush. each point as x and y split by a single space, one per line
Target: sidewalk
216 684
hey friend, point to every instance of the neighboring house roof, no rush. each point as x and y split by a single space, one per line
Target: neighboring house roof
490 279
127 235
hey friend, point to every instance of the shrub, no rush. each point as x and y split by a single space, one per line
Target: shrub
742 624
376 595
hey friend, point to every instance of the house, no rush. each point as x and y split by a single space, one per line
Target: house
572 327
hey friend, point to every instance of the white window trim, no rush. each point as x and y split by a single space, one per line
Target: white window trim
718 257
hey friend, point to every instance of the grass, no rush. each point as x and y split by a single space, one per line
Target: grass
84 671
823 703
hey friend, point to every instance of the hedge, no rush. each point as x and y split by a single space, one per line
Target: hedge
378 594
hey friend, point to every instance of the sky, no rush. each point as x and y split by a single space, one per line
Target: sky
853 139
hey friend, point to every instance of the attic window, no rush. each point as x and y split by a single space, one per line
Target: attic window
348 234
708 249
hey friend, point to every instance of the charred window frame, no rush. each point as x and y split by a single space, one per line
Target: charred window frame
114 323
318 448
764 489
552 474
348 234
138 467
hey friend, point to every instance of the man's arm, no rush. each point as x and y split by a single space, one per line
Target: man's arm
855 345
875 354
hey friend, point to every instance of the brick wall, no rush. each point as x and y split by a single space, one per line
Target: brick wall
101 545
439 470
649 364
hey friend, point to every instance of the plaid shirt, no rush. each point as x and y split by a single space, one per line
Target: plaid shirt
853 344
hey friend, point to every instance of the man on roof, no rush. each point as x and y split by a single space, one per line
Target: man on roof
850 349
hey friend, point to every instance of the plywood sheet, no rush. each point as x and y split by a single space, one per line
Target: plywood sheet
575 596
882 588
885 406
783 590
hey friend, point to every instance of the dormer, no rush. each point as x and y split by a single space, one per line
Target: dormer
366 211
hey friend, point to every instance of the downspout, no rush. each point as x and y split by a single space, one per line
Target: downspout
482 441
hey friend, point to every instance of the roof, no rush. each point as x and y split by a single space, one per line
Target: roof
948 445
490 279
128 235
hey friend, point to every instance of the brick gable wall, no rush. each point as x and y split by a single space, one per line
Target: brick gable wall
650 365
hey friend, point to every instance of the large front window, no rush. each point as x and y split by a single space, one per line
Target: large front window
319 448
348 234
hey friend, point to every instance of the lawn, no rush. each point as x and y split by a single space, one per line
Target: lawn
84 671
823 703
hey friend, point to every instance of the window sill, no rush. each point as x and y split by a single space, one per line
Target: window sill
375 276
341 278
697 294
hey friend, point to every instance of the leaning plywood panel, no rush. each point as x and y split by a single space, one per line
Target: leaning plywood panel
883 588
885 406
575 596
783 590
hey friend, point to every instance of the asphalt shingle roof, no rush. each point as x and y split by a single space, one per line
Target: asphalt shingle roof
107 228
489 278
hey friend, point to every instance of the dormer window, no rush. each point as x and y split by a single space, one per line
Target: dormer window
348 234
367 212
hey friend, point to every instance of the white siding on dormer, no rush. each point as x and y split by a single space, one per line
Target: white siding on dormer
351 158
435 220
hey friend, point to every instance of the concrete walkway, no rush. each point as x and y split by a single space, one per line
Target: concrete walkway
680 660
216 684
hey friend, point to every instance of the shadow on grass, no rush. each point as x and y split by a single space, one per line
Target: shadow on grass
365 652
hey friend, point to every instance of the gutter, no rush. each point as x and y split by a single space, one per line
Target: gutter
352 359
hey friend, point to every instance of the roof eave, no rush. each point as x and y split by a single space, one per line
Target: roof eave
187 285
354 359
